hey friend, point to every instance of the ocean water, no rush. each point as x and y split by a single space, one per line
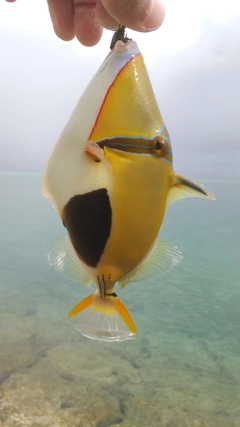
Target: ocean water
184 368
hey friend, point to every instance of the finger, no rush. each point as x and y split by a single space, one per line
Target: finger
106 20
155 17
87 28
139 15
62 16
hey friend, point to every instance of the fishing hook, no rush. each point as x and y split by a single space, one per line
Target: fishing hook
119 35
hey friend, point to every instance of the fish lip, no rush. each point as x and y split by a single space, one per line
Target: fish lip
121 47
101 144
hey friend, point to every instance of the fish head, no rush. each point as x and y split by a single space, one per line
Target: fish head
129 121
129 126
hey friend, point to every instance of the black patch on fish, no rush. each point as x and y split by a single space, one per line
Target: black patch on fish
88 218
113 294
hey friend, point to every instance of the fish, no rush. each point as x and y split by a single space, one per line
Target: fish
110 178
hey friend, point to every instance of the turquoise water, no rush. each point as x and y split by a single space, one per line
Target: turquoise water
184 368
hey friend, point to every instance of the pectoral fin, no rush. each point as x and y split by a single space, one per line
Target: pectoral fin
64 259
161 259
185 187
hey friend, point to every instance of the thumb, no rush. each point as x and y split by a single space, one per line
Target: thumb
139 15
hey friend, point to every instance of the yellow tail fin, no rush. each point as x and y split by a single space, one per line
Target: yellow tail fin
104 319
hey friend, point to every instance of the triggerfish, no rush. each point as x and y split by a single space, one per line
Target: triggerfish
110 178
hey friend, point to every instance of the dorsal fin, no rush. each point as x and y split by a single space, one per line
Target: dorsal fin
185 187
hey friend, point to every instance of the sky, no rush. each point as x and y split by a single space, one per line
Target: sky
193 62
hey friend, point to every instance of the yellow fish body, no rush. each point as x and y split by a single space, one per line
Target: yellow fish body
110 178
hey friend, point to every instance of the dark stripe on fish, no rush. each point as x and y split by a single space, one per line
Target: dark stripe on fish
113 294
157 146
129 145
88 218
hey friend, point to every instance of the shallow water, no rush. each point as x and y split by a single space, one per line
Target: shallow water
184 368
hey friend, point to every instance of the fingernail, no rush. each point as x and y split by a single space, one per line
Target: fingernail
155 17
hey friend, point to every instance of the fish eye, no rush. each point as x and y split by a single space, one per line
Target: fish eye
159 146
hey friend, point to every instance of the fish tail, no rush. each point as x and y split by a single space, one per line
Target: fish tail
103 318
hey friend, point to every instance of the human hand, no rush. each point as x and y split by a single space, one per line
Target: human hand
86 19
